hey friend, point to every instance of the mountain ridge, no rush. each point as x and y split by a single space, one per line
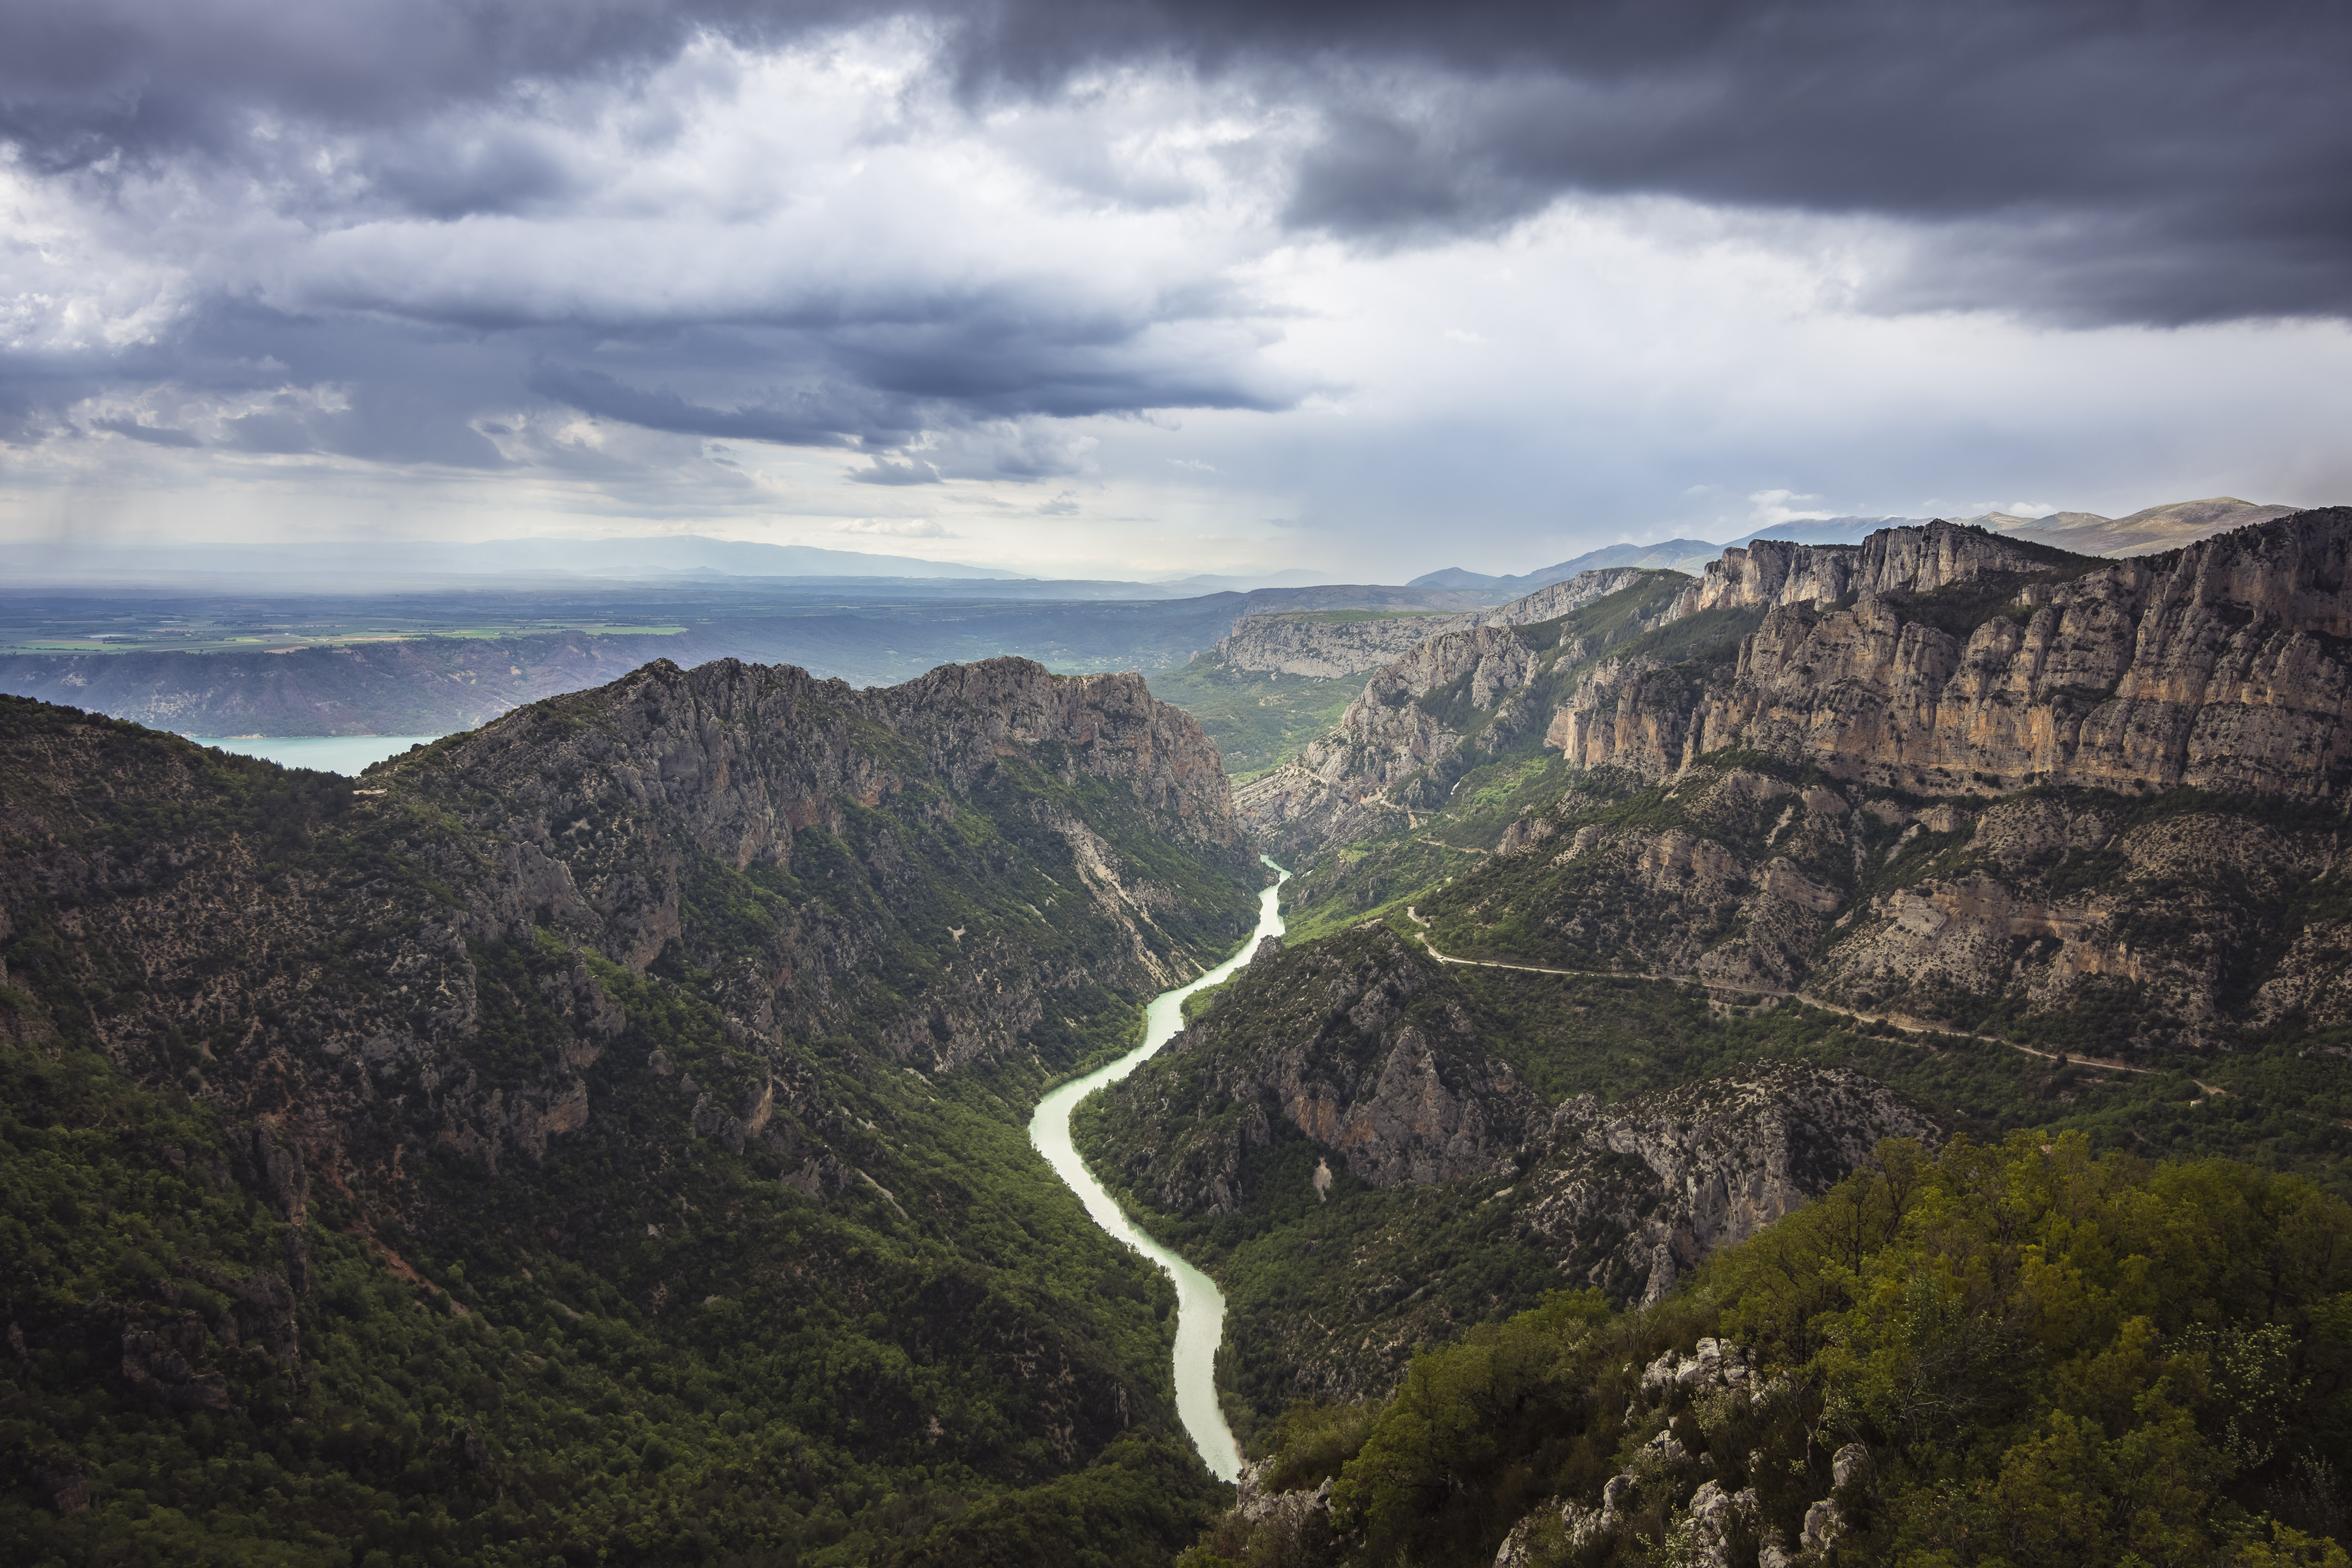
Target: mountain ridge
669 1035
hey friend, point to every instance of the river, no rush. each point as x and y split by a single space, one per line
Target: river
1200 1305
350 755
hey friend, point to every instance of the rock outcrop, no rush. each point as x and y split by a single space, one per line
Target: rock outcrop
1770 572
2221 666
1937 659
1361 1056
1451 700
1288 643
1645 1189
1355 1046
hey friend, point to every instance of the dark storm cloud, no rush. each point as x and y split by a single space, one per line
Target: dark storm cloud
812 424
2113 159
79 81
2161 164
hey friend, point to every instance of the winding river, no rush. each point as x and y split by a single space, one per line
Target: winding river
1200 1306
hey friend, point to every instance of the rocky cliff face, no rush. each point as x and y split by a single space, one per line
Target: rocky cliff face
2148 920
1770 572
1321 650
1636 1195
2221 666
1348 1044
1455 699
1936 659
1345 1124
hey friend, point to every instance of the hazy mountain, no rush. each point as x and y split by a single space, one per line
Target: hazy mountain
1670 554
2148 532
380 564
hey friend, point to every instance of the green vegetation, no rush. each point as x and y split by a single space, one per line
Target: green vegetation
1413 1266
776 1378
2048 1356
867 1327
1258 721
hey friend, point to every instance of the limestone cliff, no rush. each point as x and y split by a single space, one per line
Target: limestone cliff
1354 1046
2221 666
1454 699
1323 648
1770 572
1634 1195
1934 659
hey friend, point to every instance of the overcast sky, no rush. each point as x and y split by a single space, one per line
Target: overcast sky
1092 287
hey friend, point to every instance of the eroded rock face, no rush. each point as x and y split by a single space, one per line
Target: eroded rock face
1770 572
1294 645
1642 1191
2062 897
1736 894
1321 650
2219 666
1344 1044
1385 759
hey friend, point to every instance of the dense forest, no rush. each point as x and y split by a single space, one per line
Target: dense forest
2022 1353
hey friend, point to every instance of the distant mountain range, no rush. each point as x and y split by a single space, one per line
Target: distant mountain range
653 557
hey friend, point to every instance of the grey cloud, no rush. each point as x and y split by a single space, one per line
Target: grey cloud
885 472
153 434
496 170
2106 159
81 81
594 392
2092 161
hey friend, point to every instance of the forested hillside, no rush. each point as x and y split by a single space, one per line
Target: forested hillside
2022 1353
599 1136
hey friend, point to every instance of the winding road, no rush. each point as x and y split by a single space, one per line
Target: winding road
1908 1026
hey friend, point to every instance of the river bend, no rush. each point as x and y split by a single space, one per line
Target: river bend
1200 1306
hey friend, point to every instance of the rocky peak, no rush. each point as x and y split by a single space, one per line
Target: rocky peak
1901 561
1718 1161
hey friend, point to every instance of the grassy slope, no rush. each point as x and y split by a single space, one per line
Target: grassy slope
1258 722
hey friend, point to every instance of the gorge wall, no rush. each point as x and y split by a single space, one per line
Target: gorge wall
1288 644
1968 664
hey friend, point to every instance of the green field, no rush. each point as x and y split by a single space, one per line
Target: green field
1258 721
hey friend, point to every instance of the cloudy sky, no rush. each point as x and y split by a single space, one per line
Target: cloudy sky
1116 288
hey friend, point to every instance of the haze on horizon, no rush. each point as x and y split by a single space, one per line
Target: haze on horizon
1083 291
